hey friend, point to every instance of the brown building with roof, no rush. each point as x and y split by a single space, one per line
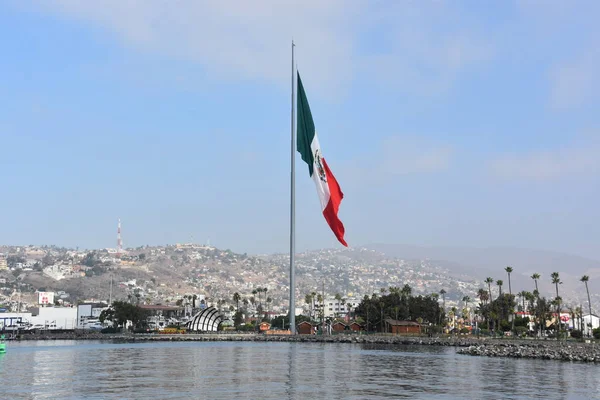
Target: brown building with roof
356 327
305 328
402 327
339 327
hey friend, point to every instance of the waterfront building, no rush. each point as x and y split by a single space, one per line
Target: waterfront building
88 313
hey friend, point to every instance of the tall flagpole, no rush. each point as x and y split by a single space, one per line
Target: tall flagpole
293 209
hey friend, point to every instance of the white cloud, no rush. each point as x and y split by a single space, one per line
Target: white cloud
251 40
549 165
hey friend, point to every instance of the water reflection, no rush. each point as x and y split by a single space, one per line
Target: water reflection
229 370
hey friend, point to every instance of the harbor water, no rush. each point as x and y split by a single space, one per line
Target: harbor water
259 370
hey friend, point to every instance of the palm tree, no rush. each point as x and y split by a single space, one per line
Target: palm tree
466 300
556 281
321 300
535 278
452 313
443 293
509 270
236 298
483 295
489 281
309 299
585 280
499 282
522 295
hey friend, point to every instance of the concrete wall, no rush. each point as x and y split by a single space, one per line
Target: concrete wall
62 317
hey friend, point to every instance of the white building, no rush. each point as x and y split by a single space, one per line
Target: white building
336 308
11 319
89 312
586 320
46 318
56 317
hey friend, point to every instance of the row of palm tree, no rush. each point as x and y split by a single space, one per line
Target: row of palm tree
486 297
252 299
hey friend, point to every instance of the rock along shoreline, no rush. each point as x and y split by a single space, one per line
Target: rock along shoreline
511 348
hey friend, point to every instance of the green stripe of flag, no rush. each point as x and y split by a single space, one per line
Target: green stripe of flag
305 128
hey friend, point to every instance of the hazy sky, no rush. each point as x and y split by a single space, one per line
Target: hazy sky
446 123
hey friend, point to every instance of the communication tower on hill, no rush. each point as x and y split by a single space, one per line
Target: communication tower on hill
119 240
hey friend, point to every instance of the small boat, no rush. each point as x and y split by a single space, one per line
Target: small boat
2 344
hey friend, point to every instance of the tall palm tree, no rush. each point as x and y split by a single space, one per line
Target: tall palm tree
268 301
308 299
556 281
489 281
236 298
443 293
509 270
466 300
499 282
321 300
483 295
585 280
535 278
523 295
265 294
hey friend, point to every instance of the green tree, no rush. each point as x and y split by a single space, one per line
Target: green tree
238 318
556 281
489 281
375 309
443 293
236 298
535 278
585 279
509 270
120 312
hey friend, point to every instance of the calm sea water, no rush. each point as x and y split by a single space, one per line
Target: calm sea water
228 370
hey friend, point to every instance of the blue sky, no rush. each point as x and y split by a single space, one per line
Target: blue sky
445 123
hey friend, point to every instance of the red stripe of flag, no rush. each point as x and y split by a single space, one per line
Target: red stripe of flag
335 198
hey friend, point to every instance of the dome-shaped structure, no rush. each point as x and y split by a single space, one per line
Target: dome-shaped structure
207 320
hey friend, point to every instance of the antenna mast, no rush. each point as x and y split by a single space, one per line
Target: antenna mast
119 240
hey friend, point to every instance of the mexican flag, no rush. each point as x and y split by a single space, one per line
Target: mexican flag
328 189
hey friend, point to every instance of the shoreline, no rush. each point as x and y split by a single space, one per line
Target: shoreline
485 347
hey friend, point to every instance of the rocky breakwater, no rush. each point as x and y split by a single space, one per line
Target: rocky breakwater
71 335
569 351
345 338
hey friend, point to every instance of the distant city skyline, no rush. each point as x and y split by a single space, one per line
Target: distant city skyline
446 123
